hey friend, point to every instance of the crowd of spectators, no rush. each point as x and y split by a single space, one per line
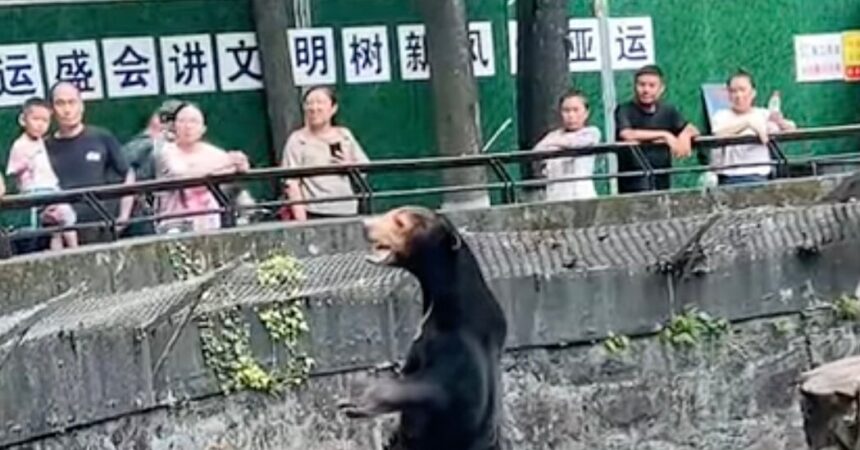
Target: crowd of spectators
173 145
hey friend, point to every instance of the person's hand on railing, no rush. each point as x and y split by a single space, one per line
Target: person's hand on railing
683 147
239 160
759 126
51 215
680 148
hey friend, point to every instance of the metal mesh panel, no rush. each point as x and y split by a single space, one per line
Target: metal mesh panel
320 274
501 255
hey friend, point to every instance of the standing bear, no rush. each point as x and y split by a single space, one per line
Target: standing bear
449 391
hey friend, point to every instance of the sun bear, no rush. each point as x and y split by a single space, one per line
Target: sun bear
847 190
448 392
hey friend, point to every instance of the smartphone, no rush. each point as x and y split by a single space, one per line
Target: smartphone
336 150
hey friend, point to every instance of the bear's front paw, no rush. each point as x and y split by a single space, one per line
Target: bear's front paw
356 411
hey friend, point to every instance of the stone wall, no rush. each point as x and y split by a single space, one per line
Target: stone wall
134 264
737 392
86 372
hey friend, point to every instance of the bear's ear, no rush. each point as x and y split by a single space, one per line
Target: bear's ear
451 230
457 241
399 220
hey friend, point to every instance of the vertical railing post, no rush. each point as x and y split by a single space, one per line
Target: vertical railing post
782 169
359 181
105 216
509 191
224 202
646 166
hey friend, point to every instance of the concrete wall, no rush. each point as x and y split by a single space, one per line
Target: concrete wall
83 373
134 264
738 394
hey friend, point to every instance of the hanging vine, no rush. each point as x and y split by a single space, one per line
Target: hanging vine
226 335
183 262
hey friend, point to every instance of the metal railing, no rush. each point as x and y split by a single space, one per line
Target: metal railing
497 163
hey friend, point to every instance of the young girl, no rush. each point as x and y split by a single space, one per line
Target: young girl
29 164
573 107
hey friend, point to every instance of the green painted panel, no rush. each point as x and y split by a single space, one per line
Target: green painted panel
697 41
395 120
236 120
700 41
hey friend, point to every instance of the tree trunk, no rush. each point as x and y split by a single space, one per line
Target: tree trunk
455 96
542 70
272 18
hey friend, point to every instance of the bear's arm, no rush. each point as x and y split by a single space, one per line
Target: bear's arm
452 370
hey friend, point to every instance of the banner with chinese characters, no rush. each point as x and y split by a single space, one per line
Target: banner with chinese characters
851 55
631 43
818 57
137 66
131 67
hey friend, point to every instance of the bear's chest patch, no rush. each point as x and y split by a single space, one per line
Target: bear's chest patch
420 331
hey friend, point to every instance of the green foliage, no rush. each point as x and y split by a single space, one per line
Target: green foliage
691 328
286 325
782 327
616 344
183 262
281 271
226 336
227 351
847 308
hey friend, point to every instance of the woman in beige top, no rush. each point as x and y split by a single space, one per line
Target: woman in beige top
321 143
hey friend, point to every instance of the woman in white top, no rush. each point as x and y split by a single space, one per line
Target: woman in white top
573 108
744 118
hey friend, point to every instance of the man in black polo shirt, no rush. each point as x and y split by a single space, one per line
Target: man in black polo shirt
648 120
84 156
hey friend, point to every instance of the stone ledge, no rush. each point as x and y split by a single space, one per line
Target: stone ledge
139 263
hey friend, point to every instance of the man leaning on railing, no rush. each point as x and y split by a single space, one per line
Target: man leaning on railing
648 119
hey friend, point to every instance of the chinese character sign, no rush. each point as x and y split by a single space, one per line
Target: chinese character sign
131 69
583 45
483 53
414 62
239 62
76 62
818 57
851 55
365 55
20 74
188 64
631 42
512 45
312 56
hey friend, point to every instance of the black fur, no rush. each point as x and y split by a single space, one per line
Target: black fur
449 392
846 191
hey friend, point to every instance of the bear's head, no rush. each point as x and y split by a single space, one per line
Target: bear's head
408 236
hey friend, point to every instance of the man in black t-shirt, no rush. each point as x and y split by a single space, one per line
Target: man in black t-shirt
648 120
84 156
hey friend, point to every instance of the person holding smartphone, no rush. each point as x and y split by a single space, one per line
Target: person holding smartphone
320 142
